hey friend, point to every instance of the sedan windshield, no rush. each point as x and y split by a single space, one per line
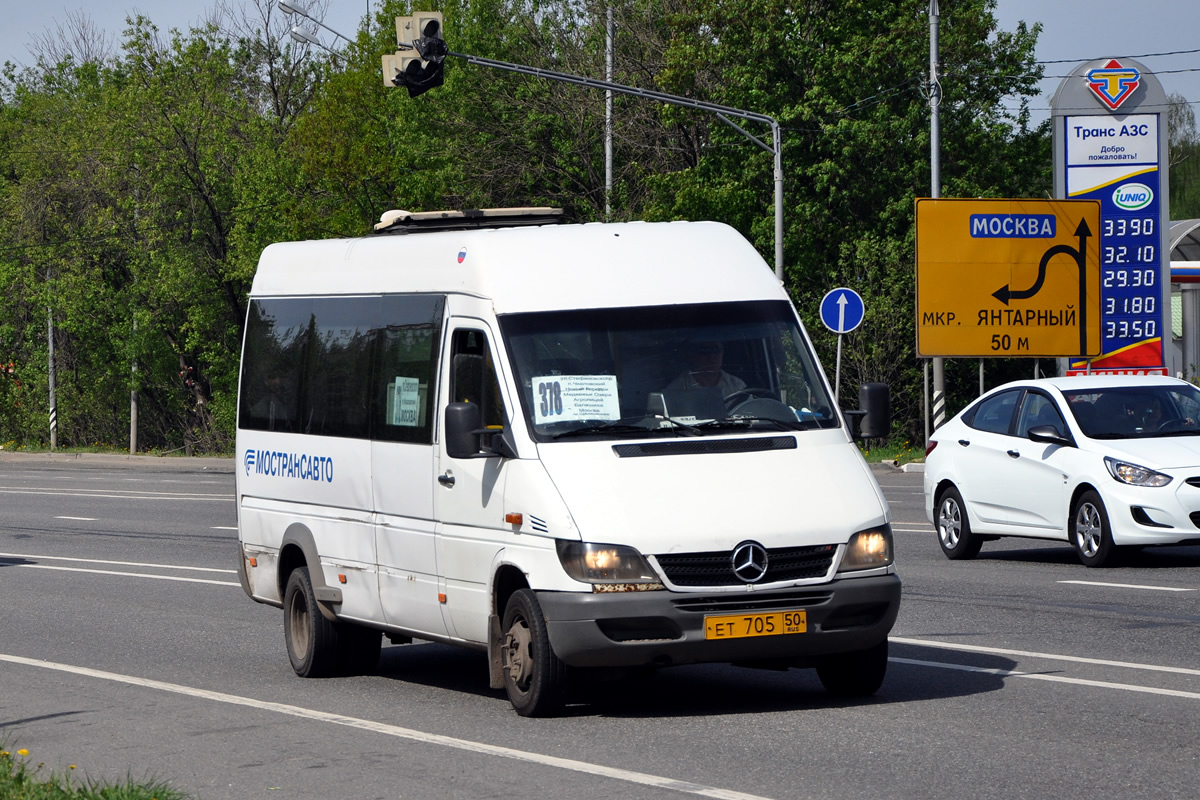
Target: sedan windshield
1136 412
682 370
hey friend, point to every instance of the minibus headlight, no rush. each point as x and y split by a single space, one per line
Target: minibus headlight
604 563
868 549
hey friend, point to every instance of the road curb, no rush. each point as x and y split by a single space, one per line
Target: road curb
113 460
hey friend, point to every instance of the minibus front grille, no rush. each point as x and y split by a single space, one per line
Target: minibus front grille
696 446
738 602
716 568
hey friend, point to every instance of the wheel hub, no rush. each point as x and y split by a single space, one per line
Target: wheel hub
518 659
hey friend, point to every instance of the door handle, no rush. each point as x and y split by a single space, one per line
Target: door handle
1014 453
446 479
964 442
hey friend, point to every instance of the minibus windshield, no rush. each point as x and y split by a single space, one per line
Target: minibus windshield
666 370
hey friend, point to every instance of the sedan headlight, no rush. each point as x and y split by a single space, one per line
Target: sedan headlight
604 563
868 549
1135 474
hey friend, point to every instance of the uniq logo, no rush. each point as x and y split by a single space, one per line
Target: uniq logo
248 460
1133 196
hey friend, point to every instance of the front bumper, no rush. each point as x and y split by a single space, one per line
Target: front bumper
1166 515
665 628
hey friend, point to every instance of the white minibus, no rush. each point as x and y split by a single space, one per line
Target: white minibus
577 448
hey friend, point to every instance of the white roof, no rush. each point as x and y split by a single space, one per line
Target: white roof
533 268
1074 383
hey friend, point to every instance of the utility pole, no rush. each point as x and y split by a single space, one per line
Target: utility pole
608 115
51 377
935 172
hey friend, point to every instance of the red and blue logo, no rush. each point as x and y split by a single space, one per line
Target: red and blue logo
1113 83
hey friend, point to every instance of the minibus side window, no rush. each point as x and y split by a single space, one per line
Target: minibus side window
273 362
337 396
473 378
406 368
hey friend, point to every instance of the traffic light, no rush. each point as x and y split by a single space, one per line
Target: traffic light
418 73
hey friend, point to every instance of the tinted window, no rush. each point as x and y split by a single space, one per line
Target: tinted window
995 413
336 398
346 366
744 364
1038 409
473 379
1117 412
408 341
273 363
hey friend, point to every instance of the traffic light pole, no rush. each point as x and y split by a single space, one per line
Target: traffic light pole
723 113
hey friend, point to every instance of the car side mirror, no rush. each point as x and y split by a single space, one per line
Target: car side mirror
1049 434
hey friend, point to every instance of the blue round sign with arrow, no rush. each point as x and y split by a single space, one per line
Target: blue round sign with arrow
842 310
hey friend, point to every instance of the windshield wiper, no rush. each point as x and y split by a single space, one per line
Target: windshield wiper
746 422
625 425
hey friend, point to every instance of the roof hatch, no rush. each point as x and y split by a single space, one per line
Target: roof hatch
398 221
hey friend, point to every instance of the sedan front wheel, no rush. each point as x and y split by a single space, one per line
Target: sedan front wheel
1090 532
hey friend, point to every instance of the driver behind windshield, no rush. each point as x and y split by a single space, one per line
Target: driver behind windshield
705 371
1152 417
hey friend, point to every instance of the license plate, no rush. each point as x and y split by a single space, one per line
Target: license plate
738 626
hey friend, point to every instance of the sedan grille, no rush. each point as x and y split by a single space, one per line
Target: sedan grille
716 568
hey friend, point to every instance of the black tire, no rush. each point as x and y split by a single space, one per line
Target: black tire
312 640
534 678
953 528
857 674
360 649
1091 534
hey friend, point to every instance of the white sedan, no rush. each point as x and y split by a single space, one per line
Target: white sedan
1104 462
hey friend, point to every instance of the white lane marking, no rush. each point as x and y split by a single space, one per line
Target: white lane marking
975 648
33 557
1004 673
107 495
397 731
127 574
80 519
224 528
1131 586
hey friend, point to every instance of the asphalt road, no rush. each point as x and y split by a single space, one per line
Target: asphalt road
128 649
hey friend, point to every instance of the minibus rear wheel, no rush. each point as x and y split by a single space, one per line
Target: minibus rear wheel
534 678
311 639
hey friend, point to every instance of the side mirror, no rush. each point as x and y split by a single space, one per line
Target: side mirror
1048 434
463 421
875 412
466 436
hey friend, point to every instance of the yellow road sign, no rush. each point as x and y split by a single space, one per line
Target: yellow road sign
1008 277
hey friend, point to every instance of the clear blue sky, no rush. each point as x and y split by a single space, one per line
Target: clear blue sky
1076 31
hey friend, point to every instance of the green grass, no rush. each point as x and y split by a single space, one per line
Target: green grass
901 452
22 780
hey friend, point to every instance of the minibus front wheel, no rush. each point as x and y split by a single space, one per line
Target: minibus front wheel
534 678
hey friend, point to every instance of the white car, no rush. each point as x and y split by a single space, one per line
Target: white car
1104 462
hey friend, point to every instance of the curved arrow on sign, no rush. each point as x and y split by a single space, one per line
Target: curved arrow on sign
1004 294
